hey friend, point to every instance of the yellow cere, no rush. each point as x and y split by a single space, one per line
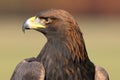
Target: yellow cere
33 24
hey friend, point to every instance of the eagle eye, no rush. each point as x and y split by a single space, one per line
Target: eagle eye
43 20
48 20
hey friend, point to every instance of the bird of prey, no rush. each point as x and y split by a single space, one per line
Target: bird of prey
64 56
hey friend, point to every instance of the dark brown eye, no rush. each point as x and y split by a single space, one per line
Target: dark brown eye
48 20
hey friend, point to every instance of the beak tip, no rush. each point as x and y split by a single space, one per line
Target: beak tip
23 28
23 31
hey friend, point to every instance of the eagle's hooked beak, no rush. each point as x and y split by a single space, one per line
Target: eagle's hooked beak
32 23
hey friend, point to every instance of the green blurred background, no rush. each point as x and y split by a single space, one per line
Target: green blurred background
99 21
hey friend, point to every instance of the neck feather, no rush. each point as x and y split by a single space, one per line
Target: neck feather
75 44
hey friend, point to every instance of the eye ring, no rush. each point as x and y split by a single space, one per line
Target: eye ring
48 20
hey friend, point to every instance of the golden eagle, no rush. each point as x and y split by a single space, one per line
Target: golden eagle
64 56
